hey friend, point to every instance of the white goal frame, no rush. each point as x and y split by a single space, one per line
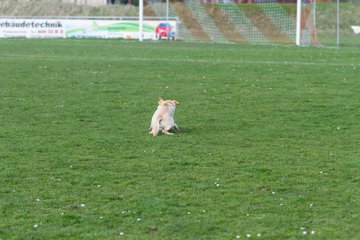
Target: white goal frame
298 22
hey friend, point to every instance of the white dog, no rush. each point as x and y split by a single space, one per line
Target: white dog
163 118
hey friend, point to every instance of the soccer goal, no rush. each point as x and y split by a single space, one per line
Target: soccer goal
239 21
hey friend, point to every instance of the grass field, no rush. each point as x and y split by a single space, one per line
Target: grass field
268 148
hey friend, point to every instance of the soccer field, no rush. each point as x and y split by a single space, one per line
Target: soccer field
268 145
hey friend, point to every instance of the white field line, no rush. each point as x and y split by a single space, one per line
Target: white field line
24 58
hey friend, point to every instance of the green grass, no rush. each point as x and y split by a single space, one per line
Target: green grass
269 141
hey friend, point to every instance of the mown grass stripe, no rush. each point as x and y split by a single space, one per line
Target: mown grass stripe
19 57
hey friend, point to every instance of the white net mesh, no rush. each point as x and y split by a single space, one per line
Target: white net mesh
243 25
279 17
201 15
308 23
226 21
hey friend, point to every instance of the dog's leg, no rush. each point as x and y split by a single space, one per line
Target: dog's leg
176 127
166 132
154 129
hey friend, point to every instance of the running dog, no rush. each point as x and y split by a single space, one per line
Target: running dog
163 118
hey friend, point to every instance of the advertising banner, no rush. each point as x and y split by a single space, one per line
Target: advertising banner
31 28
85 28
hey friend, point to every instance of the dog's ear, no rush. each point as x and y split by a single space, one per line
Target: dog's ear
160 100
176 102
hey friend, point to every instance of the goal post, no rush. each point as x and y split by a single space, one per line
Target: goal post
237 21
141 19
298 22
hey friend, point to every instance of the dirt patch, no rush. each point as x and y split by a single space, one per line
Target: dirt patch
265 25
190 22
223 24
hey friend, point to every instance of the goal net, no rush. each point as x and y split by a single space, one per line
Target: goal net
238 21
308 32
